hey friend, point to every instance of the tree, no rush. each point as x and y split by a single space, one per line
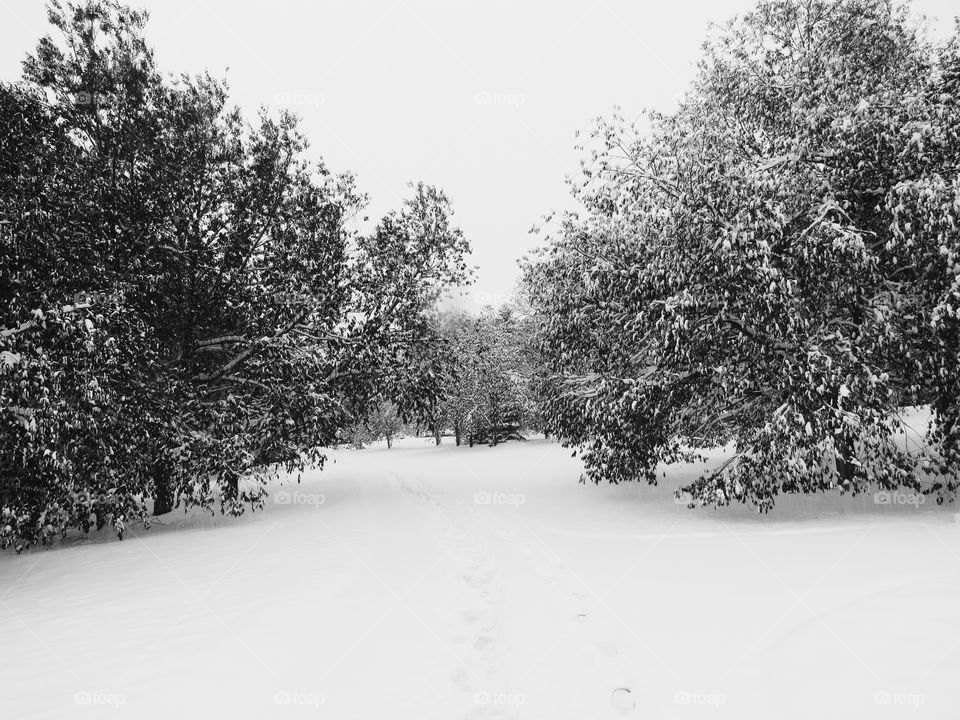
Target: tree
484 395
71 432
385 423
771 265
239 321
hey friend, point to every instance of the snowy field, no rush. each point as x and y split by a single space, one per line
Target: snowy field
426 582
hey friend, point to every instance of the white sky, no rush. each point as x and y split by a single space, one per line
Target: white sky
390 90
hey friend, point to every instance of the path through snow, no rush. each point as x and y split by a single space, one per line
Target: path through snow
425 582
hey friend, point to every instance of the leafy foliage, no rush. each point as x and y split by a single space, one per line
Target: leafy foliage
773 265
187 305
487 395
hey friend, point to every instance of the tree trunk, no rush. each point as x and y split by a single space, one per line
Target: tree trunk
845 454
389 442
232 488
163 491
456 433
436 433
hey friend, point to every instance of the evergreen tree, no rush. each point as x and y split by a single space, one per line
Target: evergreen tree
184 300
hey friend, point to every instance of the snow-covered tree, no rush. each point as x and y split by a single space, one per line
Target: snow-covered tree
384 422
774 264
485 396
239 319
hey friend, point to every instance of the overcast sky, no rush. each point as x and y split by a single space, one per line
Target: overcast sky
480 98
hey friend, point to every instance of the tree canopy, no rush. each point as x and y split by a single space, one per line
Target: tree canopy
772 265
188 304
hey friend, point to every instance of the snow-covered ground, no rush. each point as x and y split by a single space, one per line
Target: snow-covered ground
426 582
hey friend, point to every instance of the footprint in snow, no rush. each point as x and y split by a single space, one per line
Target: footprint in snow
622 701
608 648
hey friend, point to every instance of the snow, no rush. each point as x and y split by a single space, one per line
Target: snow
443 582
